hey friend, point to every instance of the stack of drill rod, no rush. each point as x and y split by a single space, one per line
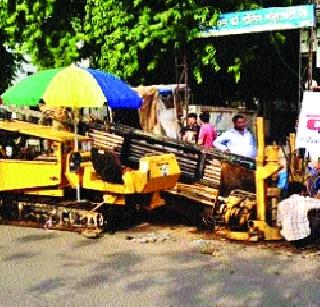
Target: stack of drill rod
195 163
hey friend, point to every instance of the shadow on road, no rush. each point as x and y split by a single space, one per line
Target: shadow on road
19 256
85 242
37 237
48 285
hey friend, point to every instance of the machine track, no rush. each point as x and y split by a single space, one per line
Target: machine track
57 214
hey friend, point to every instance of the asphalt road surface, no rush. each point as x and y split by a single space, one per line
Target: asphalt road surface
51 268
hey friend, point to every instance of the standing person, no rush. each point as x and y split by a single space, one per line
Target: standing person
238 140
190 133
207 132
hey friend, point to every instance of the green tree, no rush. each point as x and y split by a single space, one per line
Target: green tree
140 40
137 40
127 38
134 38
8 58
44 29
8 67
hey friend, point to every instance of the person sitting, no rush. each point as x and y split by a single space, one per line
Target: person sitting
238 140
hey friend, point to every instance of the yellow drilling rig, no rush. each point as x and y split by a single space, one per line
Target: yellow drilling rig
40 171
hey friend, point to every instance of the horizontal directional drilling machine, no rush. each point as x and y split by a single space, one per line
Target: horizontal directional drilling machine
236 193
44 181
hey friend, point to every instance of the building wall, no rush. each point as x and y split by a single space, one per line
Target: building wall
221 117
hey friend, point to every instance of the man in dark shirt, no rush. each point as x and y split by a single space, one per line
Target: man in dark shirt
190 133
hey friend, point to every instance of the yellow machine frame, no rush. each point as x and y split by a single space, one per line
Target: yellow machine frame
50 176
149 178
44 175
268 165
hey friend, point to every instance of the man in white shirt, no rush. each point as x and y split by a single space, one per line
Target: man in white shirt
238 140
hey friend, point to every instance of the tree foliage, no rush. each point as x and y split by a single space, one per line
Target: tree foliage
8 65
120 36
137 40
136 37
44 29
8 58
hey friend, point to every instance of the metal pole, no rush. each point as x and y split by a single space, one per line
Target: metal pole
310 50
310 54
186 94
299 73
174 92
76 149
76 143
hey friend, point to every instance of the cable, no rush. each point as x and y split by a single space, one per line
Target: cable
282 59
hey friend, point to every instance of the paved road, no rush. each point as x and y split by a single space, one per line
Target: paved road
41 268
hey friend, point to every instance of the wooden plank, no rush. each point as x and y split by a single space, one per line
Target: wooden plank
105 133
209 203
107 140
213 173
214 168
216 181
197 188
106 144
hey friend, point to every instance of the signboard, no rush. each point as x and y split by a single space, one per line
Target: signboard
308 134
266 19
